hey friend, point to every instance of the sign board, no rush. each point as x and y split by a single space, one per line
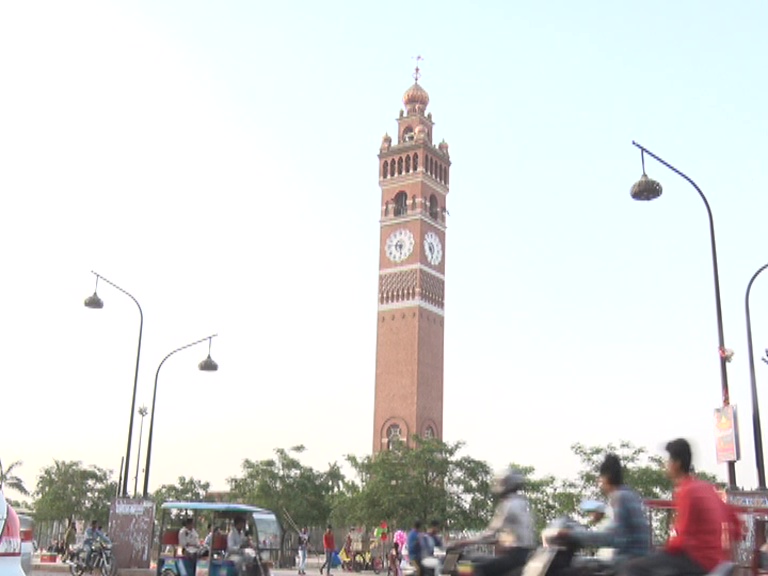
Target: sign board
727 435
131 523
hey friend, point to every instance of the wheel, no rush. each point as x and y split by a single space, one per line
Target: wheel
109 567
76 569
358 562
378 564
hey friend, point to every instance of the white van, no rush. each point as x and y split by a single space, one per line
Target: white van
10 540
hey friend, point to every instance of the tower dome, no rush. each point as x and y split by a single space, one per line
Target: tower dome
415 99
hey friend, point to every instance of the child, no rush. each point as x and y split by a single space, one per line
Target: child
395 558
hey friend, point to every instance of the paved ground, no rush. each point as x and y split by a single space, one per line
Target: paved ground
313 568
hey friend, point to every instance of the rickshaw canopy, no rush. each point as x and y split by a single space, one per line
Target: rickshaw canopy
215 507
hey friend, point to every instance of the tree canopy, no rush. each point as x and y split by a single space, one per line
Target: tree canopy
9 479
428 480
72 490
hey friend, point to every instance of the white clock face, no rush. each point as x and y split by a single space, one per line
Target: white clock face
399 245
432 248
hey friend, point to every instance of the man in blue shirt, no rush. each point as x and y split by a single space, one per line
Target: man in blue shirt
415 543
629 533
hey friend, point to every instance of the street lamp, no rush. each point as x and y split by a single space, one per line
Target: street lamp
93 301
207 365
647 189
142 413
753 384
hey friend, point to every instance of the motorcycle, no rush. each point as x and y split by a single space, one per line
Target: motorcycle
101 560
552 555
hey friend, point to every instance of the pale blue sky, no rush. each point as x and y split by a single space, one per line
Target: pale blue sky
218 160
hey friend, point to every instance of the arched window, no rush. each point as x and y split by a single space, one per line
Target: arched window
408 134
440 172
407 164
392 167
385 169
434 209
415 162
394 435
446 175
400 165
429 165
401 204
429 432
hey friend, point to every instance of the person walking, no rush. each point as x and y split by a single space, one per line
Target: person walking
303 545
329 546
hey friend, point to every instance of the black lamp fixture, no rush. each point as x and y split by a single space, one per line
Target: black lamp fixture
93 301
645 189
208 365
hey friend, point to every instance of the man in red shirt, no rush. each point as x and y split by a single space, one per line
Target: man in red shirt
329 545
697 545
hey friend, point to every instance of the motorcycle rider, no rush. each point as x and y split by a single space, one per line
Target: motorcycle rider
92 535
511 529
628 533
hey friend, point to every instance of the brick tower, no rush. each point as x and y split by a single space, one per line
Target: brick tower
413 175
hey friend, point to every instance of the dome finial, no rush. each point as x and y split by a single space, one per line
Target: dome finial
417 71
416 98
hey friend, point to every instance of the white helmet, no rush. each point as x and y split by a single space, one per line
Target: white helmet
510 481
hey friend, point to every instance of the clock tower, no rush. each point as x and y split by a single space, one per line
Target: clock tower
413 176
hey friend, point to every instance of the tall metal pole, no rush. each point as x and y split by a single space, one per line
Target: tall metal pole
135 383
120 476
718 307
142 413
756 429
152 416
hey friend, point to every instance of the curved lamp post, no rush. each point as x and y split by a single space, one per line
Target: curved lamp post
753 385
93 301
142 412
647 189
207 365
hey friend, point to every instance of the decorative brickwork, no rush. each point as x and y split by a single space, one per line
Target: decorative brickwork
397 287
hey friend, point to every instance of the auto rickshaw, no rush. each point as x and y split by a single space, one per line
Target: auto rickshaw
261 524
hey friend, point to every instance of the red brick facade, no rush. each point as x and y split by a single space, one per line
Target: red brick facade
414 176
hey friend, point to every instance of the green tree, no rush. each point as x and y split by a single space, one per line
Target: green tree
71 490
643 472
429 480
283 484
9 479
184 490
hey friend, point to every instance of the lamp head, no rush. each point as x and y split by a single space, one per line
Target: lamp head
645 189
93 301
208 365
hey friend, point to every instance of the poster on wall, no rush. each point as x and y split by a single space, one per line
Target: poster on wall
727 435
131 523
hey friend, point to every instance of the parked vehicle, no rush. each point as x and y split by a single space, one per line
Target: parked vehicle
28 544
367 561
10 540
